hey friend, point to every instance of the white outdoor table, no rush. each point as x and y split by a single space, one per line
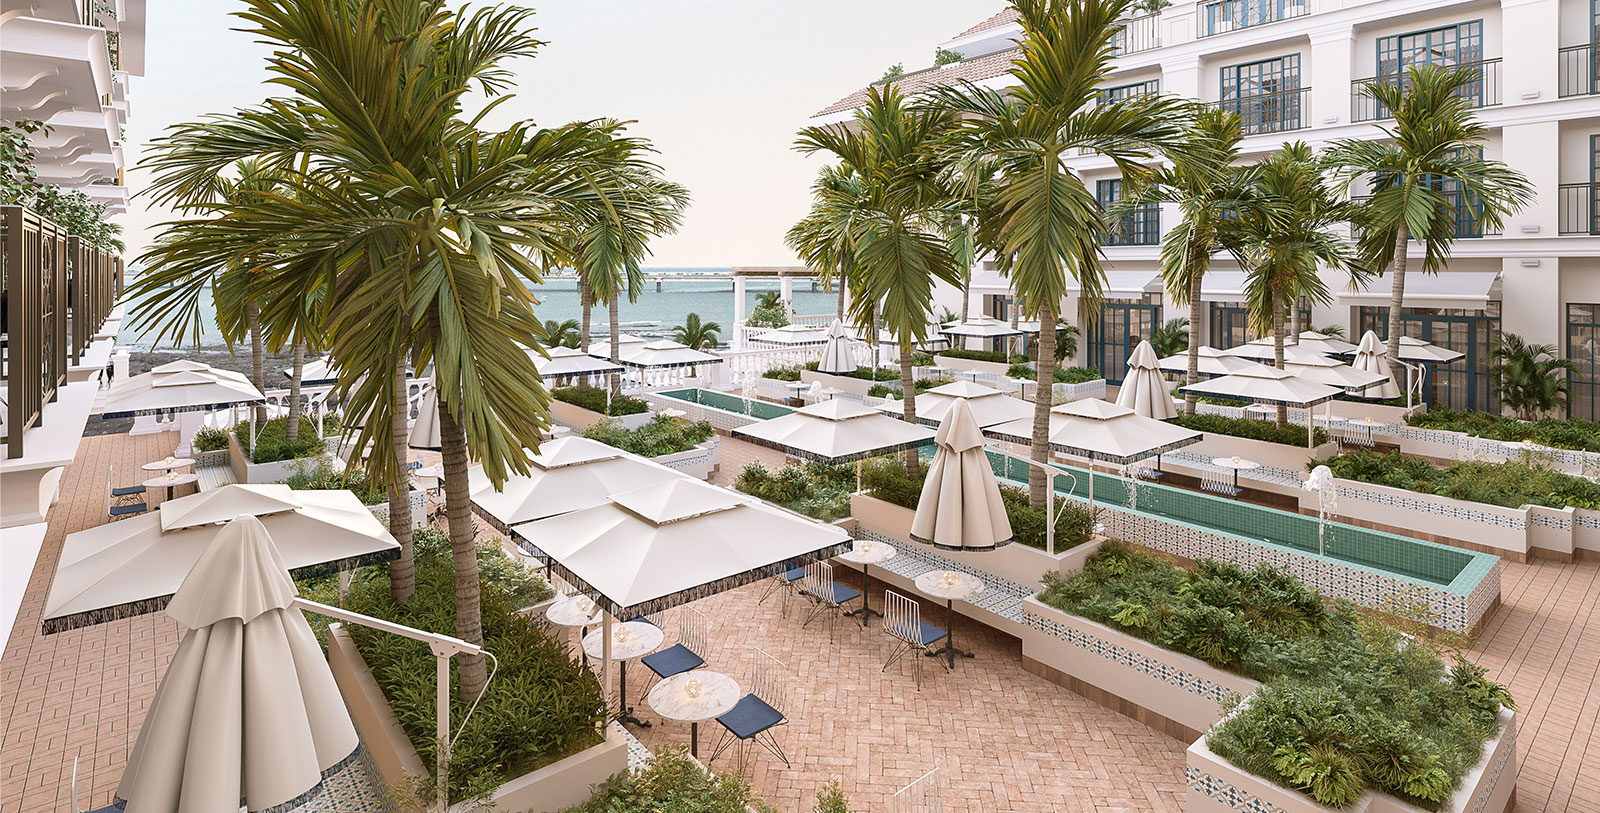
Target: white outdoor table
796 388
949 585
715 694
169 464
1237 465
170 480
1369 425
573 611
638 639
866 553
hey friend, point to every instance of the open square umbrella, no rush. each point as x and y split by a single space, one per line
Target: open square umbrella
960 506
1320 369
570 361
1271 386
836 431
1212 363
980 328
569 474
792 336
1323 343
988 406
665 353
180 386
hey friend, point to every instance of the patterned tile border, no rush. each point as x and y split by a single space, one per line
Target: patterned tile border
1496 770
1227 794
1438 506
1138 662
1001 596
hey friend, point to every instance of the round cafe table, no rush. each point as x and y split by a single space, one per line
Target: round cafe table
949 585
1369 425
693 698
629 640
169 464
171 479
574 611
1237 464
867 552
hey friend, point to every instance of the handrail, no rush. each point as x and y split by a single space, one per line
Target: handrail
1482 92
1578 70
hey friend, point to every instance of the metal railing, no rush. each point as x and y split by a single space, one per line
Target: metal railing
92 285
1579 211
1135 35
34 254
1579 68
1139 226
1484 91
1232 15
1270 112
1468 211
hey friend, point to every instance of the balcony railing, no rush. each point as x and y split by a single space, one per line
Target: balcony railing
1468 214
1135 35
1580 70
35 255
1139 226
1579 210
1232 15
1269 112
1482 91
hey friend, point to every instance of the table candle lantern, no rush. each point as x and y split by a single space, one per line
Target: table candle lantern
692 687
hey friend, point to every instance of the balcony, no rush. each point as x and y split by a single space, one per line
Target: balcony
1468 213
1269 112
1483 91
1580 70
1579 211
1135 35
1139 226
1232 15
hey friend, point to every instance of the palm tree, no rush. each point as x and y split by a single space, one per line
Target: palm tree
561 333
1209 192
1171 338
824 237
422 232
1533 377
900 249
695 334
1043 223
1431 154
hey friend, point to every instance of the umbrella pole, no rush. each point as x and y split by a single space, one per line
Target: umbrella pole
442 727
605 660
1091 486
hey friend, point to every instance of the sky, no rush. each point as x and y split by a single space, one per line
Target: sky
720 87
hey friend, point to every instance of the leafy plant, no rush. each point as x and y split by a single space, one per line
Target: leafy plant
1075 375
675 782
594 400
1249 428
831 799
210 439
1171 338
1334 331
1533 377
697 335
562 333
763 315
895 70
818 490
1573 433
992 356
783 372
1510 484
272 440
370 491
943 56
891 483
661 436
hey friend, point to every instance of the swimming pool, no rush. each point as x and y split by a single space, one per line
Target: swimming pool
754 408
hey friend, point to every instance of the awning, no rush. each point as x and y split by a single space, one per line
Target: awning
1124 284
1223 286
1467 290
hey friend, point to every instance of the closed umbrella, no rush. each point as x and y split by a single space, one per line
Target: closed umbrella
425 432
1144 390
960 507
1370 358
988 405
567 474
836 355
247 714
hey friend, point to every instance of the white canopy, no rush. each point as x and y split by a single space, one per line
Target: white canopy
316 371
988 406
1323 370
1263 350
1370 358
1421 352
1100 430
425 432
247 714
569 474
656 547
1223 286
130 567
627 344
1267 385
664 353
836 355
181 386
221 505
1144 390
566 361
1213 362
960 506
1124 284
1469 290
792 336
836 431
1323 343
980 328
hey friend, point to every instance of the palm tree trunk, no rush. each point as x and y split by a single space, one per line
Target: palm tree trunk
1038 481
463 549
258 359
908 399
1295 328
876 361
1277 355
841 294
1196 313
292 432
402 572
1397 297
616 336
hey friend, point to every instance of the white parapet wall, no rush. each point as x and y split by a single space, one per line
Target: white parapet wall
698 462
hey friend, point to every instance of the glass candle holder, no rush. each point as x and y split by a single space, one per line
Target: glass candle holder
622 634
692 687
950 578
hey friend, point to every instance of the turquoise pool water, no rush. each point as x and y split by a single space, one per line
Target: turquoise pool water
761 410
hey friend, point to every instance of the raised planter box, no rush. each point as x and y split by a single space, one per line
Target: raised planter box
419 509
555 786
1215 785
699 462
1276 455
1175 693
580 419
245 471
1440 519
990 367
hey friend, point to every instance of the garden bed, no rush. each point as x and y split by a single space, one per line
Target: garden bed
1266 432
583 407
1573 434
1508 485
818 490
979 361
691 447
887 480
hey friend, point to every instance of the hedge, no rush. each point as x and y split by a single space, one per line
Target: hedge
594 400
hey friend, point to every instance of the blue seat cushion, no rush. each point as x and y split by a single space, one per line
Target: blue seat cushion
124 510
834 593
673 660
750 717
923 634
126 490
641 619
792 576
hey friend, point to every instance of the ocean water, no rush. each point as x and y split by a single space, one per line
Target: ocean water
655 313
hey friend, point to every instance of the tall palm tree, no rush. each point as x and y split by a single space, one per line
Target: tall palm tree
1431 154
900 248
1043 223
422 232
561 333
1208 192
696 334
824 237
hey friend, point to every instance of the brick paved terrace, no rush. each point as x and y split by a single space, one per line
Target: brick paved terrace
1007 740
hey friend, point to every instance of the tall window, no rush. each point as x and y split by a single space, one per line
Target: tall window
1469 208
1462 384
1583 347
1135 90
1265 94
1447 46
1594 179
1139 226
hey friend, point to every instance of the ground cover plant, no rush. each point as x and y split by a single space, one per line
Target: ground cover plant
674 782
818 490
541 706
1349 701
661 436
210 439
1512 484
887 480
1249 428
272 443
594 400
1572 433
323 475
993 356
1060 375
921 385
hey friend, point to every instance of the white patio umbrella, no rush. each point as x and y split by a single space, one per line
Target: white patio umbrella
221 505
1260 349
1320 369
1421 352
665 353
980 328
569 474
1212 362
988 406
569 361
1144 390
627 344
181 386
960 506
247 714
836 355
132 567
1271 386
425 432
1370 358
1101 431
793 336
1324 344
317 371
836 431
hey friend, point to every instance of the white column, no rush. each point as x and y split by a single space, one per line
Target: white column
738 312
786 286
1530 300
1529 70
1332 56
1181 77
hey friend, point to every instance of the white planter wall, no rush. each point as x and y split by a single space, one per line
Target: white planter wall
1276 455
699 462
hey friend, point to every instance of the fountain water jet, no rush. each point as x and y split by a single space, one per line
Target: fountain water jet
1322 484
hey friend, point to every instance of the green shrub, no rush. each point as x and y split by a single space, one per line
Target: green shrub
210 439
1348 701
995 356
883 391
831 799
921 359
272 440
1075 375
672 782
1249 428
783 372
1561 434
324 476
1022 370
1511 484
662 435
594 400
818 490
542 705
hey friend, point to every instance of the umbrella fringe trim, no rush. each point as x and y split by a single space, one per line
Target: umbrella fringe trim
692 594
820 458
139 413
283 807
932 544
